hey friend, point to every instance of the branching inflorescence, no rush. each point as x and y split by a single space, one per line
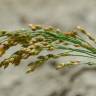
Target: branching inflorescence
38 38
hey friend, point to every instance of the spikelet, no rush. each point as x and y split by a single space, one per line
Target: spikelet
38 38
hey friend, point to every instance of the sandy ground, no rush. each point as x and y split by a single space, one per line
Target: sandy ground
64 14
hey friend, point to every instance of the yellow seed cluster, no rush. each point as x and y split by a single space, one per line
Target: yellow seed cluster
2 49
38 38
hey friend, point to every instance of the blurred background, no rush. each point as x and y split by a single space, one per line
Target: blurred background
63 14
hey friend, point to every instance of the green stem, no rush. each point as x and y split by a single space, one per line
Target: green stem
77 50
71 39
